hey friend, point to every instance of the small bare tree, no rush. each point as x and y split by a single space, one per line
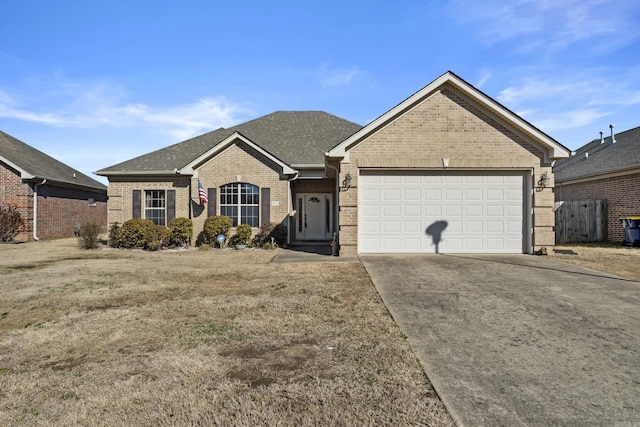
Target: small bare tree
11 223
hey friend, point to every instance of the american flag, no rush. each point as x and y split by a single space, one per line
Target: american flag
202 194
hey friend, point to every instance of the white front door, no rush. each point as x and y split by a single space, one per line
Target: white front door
314 216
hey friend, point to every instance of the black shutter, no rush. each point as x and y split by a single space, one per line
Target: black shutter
211 195
137 204
171 205
265 205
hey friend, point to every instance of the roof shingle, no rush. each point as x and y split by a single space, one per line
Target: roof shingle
602 158
40 165
294 137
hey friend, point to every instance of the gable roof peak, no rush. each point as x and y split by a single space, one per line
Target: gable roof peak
553 149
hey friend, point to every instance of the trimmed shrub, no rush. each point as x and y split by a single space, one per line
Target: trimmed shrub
215 225
134 233
279 234
157 237
181 230
263 235
88 235
11 223
114 235
270 230
242 236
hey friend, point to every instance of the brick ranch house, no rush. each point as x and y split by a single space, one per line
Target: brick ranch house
447 170
606 168
51 196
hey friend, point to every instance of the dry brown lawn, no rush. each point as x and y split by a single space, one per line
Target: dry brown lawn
114 337
623 261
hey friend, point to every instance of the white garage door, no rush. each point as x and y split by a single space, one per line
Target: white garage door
446 213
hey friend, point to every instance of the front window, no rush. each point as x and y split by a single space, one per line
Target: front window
241 203
155 206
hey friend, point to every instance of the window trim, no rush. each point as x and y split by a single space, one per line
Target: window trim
146 208
240 191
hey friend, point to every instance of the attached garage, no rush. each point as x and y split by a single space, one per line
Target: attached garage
448 170
429 212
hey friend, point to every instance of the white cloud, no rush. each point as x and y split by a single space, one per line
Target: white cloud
555 101
550 25
339 78
484 78
104 104
556 121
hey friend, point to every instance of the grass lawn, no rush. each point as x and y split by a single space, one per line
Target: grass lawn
114 337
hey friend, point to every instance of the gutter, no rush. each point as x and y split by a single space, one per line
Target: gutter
35 209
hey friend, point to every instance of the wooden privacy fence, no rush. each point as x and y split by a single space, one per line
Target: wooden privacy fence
581 221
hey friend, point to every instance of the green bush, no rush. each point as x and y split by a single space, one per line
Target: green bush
215 225
115 235
135 232
270 230
11 223
181 230
263 235
242 236
279 234
88 235
157 237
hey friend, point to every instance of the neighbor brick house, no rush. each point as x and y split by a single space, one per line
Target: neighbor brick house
447 170
607 168
51 196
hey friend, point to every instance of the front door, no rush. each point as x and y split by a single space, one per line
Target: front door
314 216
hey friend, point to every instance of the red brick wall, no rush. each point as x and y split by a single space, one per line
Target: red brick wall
59 208
13 192
622 194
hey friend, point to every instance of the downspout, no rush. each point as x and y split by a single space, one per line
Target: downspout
35 209
289 205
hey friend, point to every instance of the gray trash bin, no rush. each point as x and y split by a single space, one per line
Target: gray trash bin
631 225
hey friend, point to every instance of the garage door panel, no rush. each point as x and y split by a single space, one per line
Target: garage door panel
411 211
434 195
482 212
391 226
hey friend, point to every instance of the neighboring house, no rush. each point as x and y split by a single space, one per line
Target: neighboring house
606 168
447 170
51 196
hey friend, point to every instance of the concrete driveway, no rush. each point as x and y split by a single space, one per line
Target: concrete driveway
518 340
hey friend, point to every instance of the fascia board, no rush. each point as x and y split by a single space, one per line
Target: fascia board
228 141
598 176
23 173
139 173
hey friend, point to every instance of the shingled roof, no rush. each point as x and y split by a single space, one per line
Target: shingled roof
597 158
296 138
34 165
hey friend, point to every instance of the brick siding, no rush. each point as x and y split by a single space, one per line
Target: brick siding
59 208
444 125
236 163
621 193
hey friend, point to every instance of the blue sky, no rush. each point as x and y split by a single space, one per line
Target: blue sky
94 83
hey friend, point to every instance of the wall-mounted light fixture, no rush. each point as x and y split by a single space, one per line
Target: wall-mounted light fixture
544 180
346 182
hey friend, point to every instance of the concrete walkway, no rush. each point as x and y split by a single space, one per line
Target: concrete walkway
309 253
518 340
